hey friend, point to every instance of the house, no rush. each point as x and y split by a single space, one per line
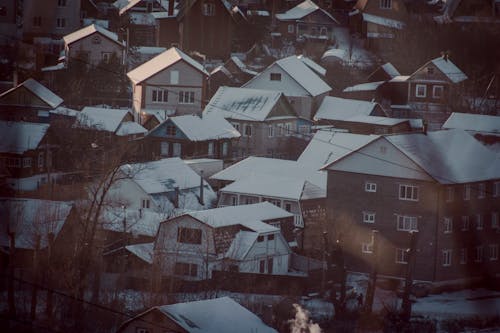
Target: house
141 54
167 26
378 21
463 12
166 186
8 22
191 136
219 315
384 72
191 246
444 185
27 154
28 101
172 81
335 110
303 88
207 27
93 45
265 119
484 128
306 20
368 91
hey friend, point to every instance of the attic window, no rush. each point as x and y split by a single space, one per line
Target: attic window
260 239
275 76
430 70
386 4
208 9
96 40
171 130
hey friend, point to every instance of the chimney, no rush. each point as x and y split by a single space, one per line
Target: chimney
171 4
176 197
201 188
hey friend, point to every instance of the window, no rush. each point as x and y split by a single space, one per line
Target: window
275 224
174 77
188 235
186 97
149 7
450 194
367 247
481 190
234 200
368 217
225 149
106 57
260 239
446 257
145 203
270 132
370 187
262 266
465 223
15 162
185 269
437 92
248 130
430 70
496 189
408 192
41 160
385 4
463 256
141 330
479 254
61 3
288 129
275 76
323 31
270 237
291 28
494 220
421 90
210 148
96 39
448 225
208 9
164 148
288 207
27 162
401 256
171 130
493 252
407 223
479 222
60 22
466 193
304 129
236 126
159 96
37 21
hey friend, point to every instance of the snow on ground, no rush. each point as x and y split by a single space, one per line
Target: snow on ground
349 51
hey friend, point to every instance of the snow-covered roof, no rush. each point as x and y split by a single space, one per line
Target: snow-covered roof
143 251
142 18
64 111
150 49
390 69
32 218
162 175
129 128
449 69
58 67
160 62
219 315
312 64
473 122
271 186
89 30
301 10
209 127
303 75
241 245
124 5
102 119
449 156
369 86
383 21
144 222
335 108
246 215
18 137
374 120
163 15
327 147
38 90
243 103
400 78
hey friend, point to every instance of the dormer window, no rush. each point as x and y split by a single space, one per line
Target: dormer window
385 4
171 130
208 9
275 76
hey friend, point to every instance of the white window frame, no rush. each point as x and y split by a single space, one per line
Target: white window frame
406 223
225 148
174 77
186 97
465 222
106 56
424 92
60 23
466 194
435 93
291 28
27 162
370 187
159 95
481 191
145 203
496 189
208 9
275 77
463 256
494 220
479 222
247 130
367 247
236 126
270 132
210 149
479 253
493 252
401 256
369 217
448 225
446 257
411 192
234 200
288 129
385 4
450 194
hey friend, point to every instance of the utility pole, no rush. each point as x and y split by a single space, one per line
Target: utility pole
406 306
370 291
34 290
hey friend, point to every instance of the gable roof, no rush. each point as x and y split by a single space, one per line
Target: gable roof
160 62
335 108
89 30
243 103
143 251
368 86
129 128
39 90
473 122
185 6
31 218
101 119
301 10
124 5
219 315
209 127
448 68
18 137
144 222
312 65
